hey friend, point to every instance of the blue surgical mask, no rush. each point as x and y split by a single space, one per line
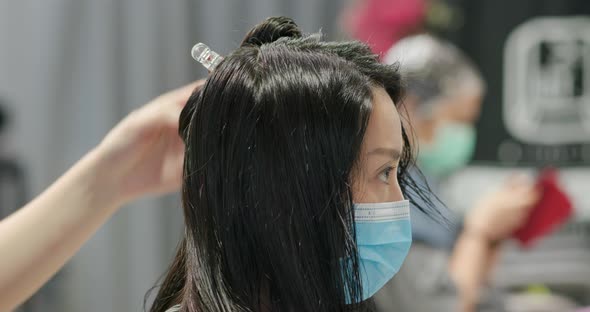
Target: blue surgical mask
383 237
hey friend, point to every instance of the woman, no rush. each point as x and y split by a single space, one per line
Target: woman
294 179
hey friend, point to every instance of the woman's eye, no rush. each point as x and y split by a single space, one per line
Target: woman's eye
384 175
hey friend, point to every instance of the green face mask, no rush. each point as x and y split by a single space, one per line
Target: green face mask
452 148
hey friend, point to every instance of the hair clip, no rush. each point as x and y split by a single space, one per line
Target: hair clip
204 55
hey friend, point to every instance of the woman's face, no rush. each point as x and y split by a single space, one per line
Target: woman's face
376 179
461 108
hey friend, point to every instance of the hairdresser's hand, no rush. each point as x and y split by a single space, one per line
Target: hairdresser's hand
498 214
144 153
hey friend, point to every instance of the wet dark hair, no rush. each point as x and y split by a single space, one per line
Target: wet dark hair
272 140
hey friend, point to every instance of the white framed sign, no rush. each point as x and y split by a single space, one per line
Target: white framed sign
547 81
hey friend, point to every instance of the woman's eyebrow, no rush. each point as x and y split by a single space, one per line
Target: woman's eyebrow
394 153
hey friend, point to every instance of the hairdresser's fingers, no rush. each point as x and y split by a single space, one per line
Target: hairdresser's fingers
178 97
173 169
170 117
162 112
172 166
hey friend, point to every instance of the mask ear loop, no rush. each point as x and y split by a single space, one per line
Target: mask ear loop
207 57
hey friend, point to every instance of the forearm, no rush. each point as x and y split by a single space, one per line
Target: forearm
142 155
472 260
37 240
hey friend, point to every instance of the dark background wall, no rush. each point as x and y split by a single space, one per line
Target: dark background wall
485 27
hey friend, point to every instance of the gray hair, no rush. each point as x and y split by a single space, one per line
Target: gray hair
433 69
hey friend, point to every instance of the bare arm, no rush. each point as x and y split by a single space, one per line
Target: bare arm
141 155
472 261
39 238
491 222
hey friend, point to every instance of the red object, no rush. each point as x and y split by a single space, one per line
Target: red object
553 209
381 23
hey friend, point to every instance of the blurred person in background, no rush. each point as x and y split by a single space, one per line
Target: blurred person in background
449 268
